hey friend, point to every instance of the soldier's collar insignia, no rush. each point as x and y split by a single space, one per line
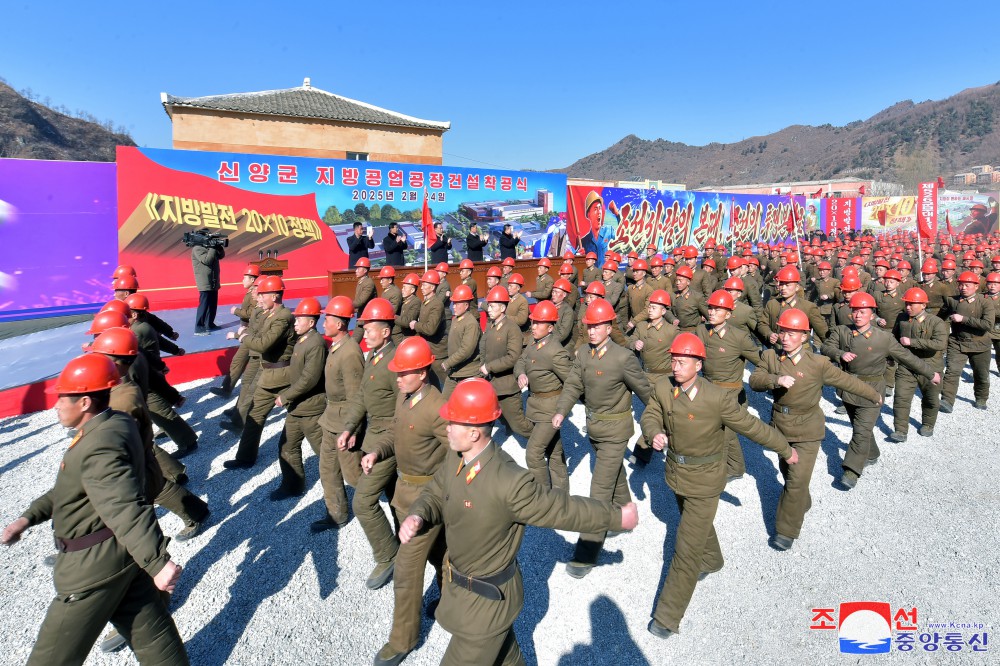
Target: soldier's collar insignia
473 472
416 398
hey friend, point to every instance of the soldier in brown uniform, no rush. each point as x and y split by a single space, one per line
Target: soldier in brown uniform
237 414
613 289
727 351
591 273
849 285
573 275
744 317
499 349
993 293
789 296
304 399
274 340
484 506
594 291
543 367
605 375
243 311
566 273
431 324
685 418
367 415
409 310
443 289
465 276
419 442
637 295
364 291
689 303
927 337
888 308
824 290
113 563
518 310
543 283
463 359
390 292
657 278
972 320
935 289
796 377
563 296
862 349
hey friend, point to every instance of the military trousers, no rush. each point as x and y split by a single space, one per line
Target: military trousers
263 403
133 605
890 373
171 468
608 481
236 368
297 428
863 446
512 414
544 456
381 536
795 499
245 399
500 650
696 550
996 351
166 417
182 502
957 360
408 584
906 388
334 465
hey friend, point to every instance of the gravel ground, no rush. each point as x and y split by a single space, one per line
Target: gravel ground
258 588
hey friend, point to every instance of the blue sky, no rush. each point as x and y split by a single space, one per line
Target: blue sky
525 84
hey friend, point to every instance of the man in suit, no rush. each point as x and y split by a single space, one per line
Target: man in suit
394 244
358 244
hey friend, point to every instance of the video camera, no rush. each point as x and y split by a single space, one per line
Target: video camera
205 238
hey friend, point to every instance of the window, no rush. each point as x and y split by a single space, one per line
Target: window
361 157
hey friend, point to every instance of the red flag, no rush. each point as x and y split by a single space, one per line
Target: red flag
947 222
427 224
790 222
881 216
861 190
817 194
940 182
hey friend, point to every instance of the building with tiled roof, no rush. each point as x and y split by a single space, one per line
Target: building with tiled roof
304 121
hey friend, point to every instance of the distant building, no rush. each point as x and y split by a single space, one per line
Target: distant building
486 212
985 178
546 200
835 187
963 179
981 169
302 121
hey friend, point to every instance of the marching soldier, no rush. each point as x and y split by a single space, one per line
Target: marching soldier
390 292
657 278
484 507
563 297
237 414
443 289
127 285
518 309
499 349
689 303
637 296
594 291
972 320
543 283
789 296
591 273
465 275
926 337
507 269
605 375
418 440
935 289
825 291
744 316
796 377
888 307
431 323
993 293
409 310
364 290
573 275
542 368
566 272
862 349
685 418
463 341
244 310
113 563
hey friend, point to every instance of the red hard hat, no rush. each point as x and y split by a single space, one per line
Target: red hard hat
252 270
903 264
930 266
378 309
413 353
270 284
568 254
640 265
968 256
710 242
862 300
824 266
498 295
125 282
515 278
684 272
431 276
610 265
893 274
591 255
118 341
105 320
117 306
948 264
995 259
494 271
308 307
721 299
969 276
858 260
615 257
687 344
949 256
363 262
545 311
791 258
86 374
596 288
915 295
461 294
993 278
412 279
545 262
566 269
122 271
689 252
466 263
563 284
473 402
789 274
850 283
442 267
661 297
794 319
754 260
340 306
137 302
657 260
733 263
633 255
735 284
975 263
881 263
708 262
387 272
669 261
599 312
509 261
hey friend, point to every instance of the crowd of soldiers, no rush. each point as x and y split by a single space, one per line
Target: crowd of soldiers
391 409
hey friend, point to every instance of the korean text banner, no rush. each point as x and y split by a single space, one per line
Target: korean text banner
58 235
302 210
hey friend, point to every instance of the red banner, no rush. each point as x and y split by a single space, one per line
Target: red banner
841 215
927 210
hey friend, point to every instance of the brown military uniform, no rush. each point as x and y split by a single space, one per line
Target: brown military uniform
693 421
937 291
689 306
342 381
543 287
565 327
768 323
889 307
519 313
239 362
824 295
463 350
499 348
251 373
162 397
638 299
470 282
408 311
393 294
928 339
592 274
581 339
432 326
744 317
969 342
364 292
305 401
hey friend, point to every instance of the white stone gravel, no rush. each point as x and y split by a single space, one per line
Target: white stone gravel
258 588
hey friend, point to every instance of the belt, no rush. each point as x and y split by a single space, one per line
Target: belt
729 385
693 460
84 542
547 394
272 366
612 416
414 479
485 586
870 378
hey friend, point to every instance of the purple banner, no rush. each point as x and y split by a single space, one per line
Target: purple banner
58 231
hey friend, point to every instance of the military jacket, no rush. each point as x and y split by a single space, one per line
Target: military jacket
306 394
606 377
638 299
744 317
928 338
409 311
246 308
829 288
342 375
543 287
690 307
432 325
937 291
727 351
656 341
565 326
972 334
499 348
377 398
546 364
463 347
364 291
127 398
519 313
592 274
274 340
872 348
768 324
889 306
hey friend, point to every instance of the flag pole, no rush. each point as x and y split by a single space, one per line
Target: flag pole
795 230
423 223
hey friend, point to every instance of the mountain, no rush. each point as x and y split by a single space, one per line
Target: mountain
905 143
30 130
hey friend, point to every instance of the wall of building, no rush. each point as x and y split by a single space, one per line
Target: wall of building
197 129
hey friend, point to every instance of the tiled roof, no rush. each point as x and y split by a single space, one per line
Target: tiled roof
302 102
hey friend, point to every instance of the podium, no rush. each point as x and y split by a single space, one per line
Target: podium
271 266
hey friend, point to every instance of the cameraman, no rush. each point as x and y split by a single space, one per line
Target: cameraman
205 261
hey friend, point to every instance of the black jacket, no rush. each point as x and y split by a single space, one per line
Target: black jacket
393 250
439 250
358 247
475 246
508 246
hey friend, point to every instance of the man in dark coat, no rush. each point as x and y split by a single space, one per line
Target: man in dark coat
394 243
205 261
358 244
475 242
439 249
509 242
